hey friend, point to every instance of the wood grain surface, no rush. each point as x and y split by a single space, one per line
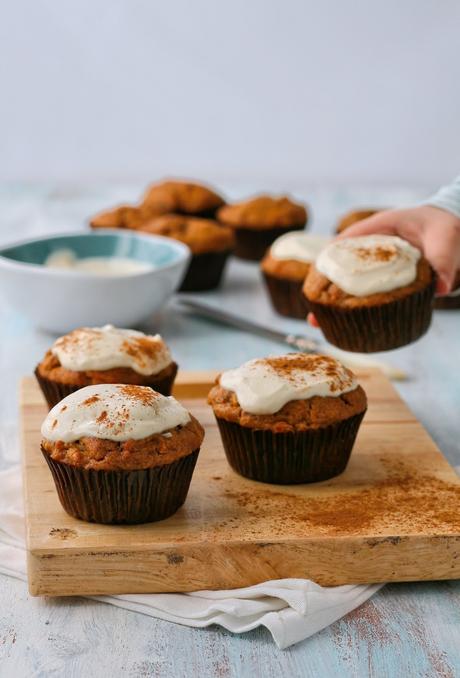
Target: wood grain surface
392 516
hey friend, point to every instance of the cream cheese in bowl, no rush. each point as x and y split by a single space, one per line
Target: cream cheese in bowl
66 259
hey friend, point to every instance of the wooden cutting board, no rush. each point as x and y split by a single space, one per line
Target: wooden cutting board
394 515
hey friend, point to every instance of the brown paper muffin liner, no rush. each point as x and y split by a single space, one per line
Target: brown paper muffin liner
54 392
117 497
447 303
377 328
252 243
205 271
287 297
289 458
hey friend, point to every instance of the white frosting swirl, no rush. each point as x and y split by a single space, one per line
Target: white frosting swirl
369 264
113 412
265 385
298 246
108 347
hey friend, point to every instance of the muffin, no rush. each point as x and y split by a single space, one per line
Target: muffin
165 197
121 453
105 355
124 216
285 267
353 217
447 302
209 243
288 419
259 221
371 293
183 197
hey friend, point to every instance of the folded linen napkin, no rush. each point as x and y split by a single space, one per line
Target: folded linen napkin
291 609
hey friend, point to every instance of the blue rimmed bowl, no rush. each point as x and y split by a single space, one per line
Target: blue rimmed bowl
60 300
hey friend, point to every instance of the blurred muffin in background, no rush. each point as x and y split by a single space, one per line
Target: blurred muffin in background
210 244
165 197
182 197
353 217
257 222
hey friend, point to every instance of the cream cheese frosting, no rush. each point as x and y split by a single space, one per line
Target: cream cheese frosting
108 347
369 264
113 412
265 385
298 246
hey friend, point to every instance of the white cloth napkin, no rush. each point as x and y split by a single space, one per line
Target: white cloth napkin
291 609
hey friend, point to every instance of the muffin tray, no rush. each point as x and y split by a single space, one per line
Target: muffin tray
393 515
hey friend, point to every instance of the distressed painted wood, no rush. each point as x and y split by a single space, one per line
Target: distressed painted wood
233 532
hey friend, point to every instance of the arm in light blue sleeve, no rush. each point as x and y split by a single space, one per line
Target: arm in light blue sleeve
447 198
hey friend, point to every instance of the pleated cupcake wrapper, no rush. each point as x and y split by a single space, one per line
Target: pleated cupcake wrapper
252 243
447 303
287 297
289 458
377 328
117 497
205 271
55 392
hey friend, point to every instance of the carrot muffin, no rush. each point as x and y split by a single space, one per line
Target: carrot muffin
288 419
183 197
165 197
209 243
285 267
371 293
259 221
105 355
121 453
353 217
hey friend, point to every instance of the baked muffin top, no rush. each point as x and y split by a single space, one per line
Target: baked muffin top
353 217
182 197
125 216
367 270
119 426
262 212
286 393
291 254
90 355
201 235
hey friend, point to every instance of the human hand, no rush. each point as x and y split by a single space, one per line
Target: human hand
436 232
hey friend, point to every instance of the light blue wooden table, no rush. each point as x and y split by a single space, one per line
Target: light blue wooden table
405 630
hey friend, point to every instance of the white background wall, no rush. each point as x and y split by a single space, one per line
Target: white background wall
283 91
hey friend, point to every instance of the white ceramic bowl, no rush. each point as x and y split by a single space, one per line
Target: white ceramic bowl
60 300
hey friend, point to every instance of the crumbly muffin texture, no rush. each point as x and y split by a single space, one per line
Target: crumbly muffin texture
108 455
296 415
318 288
263 212
201 235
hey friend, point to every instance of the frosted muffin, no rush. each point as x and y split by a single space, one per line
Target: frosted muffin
371 293
259 221
285 267
288 419
353 217
105 355
209 243
121 453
